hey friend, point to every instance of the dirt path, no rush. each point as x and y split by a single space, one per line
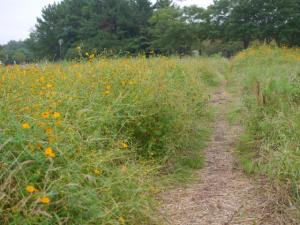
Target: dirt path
223 194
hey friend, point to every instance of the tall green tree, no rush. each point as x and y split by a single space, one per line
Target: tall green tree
240 24
105 24
263 20
287 22
170 32
160 4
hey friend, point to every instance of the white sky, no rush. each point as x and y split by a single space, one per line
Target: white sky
18 17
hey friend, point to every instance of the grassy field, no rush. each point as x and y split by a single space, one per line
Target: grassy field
86 143
94 142
268 79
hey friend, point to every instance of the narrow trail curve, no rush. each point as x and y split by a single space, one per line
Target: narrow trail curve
222 194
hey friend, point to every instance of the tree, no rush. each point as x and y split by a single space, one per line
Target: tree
288 20
170 32
199 21
240 24
137 26
265 21
49 30
120 25
160 4
15 51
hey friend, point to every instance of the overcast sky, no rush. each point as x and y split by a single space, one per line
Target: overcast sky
18 17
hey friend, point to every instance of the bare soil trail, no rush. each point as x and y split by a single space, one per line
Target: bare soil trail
222 194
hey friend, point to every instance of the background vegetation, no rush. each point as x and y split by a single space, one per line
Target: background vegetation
269 81
122 27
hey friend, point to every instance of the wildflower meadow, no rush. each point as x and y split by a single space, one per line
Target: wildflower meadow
84 143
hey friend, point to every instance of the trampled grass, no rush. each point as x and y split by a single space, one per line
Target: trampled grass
269 81
82 143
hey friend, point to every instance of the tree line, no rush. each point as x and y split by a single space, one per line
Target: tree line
121 27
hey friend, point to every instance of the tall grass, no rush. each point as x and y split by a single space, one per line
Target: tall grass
269 80
83 143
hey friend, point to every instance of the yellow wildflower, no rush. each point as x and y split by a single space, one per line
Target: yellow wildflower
45 115
124 145
98 171
50 153
39 146
45 200
25 126
48 131
57 123
49 85
42 79
31 189
122 220
107 92
56 115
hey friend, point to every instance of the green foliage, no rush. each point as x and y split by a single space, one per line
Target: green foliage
141 26
121 124
15 51
271 116
110 24
170 33
263 20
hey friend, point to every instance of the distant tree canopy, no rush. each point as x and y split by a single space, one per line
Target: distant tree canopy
133 26
15 52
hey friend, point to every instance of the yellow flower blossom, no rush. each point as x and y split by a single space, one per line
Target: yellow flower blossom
107 92
31 189
48 130
122 220
124 145
57 123
25 126
45 200
45 115
98 171
50 153
56 115
49 85
39 146
42 79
